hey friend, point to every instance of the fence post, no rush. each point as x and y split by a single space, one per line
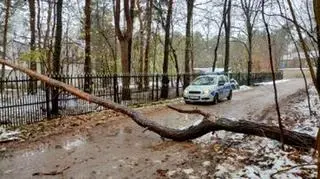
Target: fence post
157 86
152 88
115 88
177 85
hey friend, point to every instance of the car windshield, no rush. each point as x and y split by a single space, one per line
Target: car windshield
204 80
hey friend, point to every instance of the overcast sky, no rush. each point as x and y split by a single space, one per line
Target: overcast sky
207 16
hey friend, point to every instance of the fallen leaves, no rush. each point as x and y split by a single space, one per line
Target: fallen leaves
65 124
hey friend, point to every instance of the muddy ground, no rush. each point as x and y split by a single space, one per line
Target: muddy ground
110 145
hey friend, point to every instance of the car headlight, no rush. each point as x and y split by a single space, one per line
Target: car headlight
185 92
206 91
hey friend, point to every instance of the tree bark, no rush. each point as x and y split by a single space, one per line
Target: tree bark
32 86
165 78
87 61
188 48
125 39
56 57
208 124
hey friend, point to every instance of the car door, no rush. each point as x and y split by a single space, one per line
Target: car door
226 87
221 83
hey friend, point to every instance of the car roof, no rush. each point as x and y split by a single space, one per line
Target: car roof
211 75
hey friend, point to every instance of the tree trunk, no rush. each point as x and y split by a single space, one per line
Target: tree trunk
188 48
273 76
209 124
87 61
56 57
316 7
227 27
124 46
249 30
32 86
141 46
165 79
176 64
147 48
48 40
125 39
5 35
224 13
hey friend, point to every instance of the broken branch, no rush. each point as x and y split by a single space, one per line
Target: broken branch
205 126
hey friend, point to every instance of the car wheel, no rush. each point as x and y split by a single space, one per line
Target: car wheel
187 102
230 95
215 99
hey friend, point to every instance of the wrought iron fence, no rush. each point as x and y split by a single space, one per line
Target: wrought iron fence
19 105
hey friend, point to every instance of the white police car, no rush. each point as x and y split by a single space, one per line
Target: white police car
208 88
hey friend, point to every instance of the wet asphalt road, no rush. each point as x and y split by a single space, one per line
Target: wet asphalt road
121 149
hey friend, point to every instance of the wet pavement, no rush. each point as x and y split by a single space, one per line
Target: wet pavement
122 149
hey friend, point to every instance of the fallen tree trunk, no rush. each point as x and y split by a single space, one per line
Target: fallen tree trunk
208 124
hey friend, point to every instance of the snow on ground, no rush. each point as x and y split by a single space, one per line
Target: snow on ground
271 82
311 124
243 88
257 157
6 135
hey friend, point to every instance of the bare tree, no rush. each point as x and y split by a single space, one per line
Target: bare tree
32 87
224 13
147 48
87 60
250 10
125 39
188 49
47 41
165 79
273 75
5 35
141 44
56 56
227 28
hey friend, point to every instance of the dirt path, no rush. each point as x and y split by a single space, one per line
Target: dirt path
121 149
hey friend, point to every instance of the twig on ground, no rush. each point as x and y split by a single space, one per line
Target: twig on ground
51 173
290 168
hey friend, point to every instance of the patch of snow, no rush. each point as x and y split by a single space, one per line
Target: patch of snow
243 88
206 163
271 82
69 145
264 159
188 171
171 173
308 125
6 135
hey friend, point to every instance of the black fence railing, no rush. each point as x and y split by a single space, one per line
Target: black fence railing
19 105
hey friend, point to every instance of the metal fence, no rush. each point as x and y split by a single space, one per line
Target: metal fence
19 105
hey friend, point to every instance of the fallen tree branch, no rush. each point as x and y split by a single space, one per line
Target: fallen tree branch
247 127
208 123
